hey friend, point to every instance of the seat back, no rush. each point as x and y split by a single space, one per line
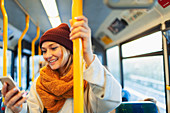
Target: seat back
137 107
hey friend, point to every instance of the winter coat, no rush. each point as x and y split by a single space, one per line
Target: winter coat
102 95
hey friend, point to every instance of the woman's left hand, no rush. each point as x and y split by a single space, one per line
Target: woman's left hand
80 29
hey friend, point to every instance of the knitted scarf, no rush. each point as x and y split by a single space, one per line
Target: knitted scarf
53 89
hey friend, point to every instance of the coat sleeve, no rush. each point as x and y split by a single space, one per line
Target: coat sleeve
105 91
34 102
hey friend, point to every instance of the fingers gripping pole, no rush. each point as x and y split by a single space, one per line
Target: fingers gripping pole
5 37
33 51
20 47
78 62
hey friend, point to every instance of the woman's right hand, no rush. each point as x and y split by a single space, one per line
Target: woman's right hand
13 98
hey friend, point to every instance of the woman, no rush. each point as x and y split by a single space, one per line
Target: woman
52 91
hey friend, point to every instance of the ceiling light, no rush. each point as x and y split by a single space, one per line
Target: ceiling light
55 21
52 12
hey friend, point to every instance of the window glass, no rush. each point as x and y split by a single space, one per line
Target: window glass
147 44
24 72
144 78
9 60
38 61
113 64
100 57
16 69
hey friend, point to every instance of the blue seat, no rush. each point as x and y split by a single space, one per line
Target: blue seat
125 95
137 107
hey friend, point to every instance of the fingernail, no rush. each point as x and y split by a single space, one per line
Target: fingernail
70 38
76 18
5 83
15 89
25 94
22 92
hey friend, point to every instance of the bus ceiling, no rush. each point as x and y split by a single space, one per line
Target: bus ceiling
130 4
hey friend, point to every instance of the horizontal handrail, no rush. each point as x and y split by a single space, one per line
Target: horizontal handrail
26 13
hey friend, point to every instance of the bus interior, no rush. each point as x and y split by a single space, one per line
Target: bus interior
130 37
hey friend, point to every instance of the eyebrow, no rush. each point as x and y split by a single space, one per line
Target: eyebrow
48 46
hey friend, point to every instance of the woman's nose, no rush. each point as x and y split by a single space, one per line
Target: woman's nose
48 54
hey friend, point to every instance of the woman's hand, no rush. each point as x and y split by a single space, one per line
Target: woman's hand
80 29
13 98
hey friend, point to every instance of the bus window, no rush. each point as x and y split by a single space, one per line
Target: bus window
9 60
37 60
23 72
146 44
144 76
113 61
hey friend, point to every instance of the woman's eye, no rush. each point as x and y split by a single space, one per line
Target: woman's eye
54 48
43 51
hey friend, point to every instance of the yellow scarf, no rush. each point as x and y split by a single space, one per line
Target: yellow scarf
53 89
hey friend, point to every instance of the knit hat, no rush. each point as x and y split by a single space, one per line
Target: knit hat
59 35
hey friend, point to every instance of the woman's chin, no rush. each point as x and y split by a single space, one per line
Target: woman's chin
53 67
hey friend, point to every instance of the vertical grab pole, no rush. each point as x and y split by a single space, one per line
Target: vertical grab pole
77 10
39 52
33 51
5 37
20 47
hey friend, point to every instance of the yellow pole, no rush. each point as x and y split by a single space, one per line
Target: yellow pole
5 37
39 50
167 87
77 10
33 51
19 48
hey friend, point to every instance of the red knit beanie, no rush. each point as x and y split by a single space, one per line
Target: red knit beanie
59 35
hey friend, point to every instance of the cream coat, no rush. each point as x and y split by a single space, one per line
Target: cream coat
102 95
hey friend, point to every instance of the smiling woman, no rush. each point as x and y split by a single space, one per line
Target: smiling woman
55 55
52 91
53 51
133 44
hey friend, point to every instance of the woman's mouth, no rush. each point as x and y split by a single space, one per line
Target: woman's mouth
53 61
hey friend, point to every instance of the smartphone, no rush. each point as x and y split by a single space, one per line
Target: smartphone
10 82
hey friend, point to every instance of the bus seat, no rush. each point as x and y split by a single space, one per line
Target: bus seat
125 95
137 107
